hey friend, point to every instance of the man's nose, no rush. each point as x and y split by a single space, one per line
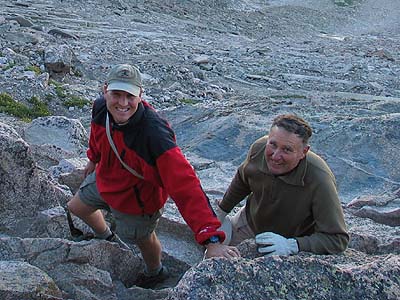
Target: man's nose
276 154
123 100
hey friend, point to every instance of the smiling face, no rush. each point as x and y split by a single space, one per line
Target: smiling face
121 105
284 150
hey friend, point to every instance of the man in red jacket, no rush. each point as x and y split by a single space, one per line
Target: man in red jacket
134 165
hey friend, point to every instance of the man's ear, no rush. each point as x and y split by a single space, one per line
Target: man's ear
305 149
105 88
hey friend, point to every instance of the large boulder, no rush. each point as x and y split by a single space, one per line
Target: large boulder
21 280
350 276
83 270
55 138
59 59
24 188
383 208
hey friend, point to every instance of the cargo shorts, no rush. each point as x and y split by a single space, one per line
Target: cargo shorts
130 228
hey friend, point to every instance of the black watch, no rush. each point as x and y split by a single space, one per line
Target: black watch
212 240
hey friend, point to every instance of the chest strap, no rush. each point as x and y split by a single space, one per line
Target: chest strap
116 152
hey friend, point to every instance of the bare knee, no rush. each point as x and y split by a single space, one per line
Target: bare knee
73 204
78 208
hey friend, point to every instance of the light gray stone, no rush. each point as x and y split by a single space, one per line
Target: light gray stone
337 66
20 280
55 138
20 177
296 277
58 59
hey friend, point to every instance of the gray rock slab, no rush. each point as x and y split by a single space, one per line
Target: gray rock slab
21 280
176 237
67 134
296 277
371 237
336 65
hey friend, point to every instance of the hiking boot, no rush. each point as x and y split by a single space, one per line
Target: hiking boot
149 282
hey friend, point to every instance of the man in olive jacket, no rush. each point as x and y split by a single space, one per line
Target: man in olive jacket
292 202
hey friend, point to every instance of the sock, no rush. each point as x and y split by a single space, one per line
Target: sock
104 235
153 272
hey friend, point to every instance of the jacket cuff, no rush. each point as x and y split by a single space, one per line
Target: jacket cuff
303 244
222 206
203 235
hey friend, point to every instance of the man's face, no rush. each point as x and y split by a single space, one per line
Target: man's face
283 151
121 105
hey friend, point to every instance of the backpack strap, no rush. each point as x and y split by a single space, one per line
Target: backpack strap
116 152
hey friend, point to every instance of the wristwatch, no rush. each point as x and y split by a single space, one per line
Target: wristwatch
212 240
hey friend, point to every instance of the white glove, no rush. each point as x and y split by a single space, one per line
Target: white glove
274 244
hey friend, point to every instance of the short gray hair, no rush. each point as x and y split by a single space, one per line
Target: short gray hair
294 124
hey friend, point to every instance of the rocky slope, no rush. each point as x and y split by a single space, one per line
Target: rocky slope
219 71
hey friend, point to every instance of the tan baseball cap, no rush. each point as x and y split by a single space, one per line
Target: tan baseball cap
124 77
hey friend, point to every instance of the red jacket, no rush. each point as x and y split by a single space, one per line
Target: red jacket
147 144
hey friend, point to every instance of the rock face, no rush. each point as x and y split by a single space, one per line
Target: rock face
384 209
290 278
219 71
58 59
55 138
66 266
24 189
21 280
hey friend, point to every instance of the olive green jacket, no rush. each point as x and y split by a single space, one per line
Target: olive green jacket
303 204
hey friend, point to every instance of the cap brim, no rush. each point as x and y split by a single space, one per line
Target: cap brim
124 86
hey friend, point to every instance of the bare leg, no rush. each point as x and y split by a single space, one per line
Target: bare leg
151 251
90 215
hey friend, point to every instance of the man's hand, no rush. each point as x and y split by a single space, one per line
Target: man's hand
271 243
219 250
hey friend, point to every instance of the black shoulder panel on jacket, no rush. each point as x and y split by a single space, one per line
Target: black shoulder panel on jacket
99 111
150 137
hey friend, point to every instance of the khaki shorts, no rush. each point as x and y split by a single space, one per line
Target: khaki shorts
130 228
240 227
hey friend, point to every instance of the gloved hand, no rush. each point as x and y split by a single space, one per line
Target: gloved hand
274 244
221 215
